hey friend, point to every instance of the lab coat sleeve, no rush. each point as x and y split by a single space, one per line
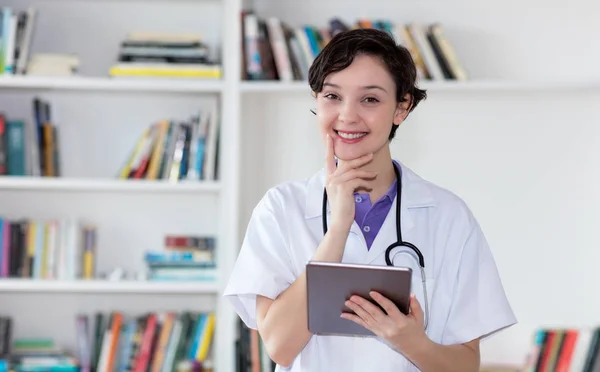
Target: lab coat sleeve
479 307
263 266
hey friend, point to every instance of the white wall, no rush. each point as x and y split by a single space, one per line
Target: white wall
526 162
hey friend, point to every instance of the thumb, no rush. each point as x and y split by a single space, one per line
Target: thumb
416 311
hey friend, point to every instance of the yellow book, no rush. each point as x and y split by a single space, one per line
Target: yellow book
124 174
31 243
45 250
157 152
89 252
187 71
162 37
206 338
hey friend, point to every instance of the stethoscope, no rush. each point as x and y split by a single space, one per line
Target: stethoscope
399 243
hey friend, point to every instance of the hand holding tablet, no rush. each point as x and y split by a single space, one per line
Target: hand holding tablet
330 285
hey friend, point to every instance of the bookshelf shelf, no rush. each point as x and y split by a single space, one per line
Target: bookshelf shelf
208 86
111 84
108 185
274 86
105 286
435 86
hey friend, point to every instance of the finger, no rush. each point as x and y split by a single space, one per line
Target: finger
329 156
356 319
360 311
354 173
373 310
355 184
390 308
354 163
415 308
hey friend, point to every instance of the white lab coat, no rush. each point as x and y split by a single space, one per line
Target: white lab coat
466 297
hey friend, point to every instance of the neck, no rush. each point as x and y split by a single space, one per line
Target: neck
383 165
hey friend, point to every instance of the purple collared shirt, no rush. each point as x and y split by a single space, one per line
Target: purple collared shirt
370 217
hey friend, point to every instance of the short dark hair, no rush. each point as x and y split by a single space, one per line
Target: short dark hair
344 46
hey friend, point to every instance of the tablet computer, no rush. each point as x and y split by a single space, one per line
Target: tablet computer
330 284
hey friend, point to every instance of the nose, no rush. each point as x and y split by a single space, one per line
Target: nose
348 113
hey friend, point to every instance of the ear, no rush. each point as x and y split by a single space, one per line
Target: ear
402 109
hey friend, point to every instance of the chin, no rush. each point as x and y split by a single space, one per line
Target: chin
345 152
353 149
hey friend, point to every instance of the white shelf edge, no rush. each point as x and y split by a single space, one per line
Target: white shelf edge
434 86
274 86
105 286
83 184
216 86
111 84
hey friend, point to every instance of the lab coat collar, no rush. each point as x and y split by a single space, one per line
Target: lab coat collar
415 193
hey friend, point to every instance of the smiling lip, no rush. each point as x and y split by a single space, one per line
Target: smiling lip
350 136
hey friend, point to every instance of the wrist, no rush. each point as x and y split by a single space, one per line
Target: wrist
341 230
417 349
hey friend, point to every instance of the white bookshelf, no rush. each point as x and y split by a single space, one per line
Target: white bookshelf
99 119
136 85
107 185
516 103
108 287
133 85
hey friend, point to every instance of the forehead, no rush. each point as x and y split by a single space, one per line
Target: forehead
364 70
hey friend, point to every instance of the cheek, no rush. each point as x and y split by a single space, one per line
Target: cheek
386 116
326 116
377 119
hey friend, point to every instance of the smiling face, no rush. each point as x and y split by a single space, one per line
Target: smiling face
357 108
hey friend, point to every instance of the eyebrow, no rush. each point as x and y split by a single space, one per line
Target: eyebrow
363 87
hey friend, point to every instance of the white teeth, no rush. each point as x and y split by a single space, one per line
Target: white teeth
351 135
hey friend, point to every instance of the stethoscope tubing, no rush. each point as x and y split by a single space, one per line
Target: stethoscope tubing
398 244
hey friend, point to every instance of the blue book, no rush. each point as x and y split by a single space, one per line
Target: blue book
15 148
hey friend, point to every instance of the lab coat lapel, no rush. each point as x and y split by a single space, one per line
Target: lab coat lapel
356 246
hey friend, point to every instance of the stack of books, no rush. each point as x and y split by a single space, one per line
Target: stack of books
39 354
184 258
164 55
53 64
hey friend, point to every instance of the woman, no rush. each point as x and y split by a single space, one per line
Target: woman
364 86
